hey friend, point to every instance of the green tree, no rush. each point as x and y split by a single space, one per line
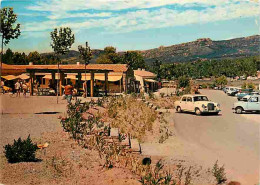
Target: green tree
8 29
62 41
34 57
8 56
134 59
222 80
183 81
109 50
86 55
103 59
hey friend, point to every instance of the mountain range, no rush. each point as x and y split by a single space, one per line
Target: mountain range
203 49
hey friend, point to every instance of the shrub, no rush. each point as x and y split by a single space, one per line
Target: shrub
249 85
21 151
219 173
222 80
183 81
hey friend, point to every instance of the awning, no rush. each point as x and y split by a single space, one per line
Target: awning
49 76
150 80
10 77
101 76
72 77
23 76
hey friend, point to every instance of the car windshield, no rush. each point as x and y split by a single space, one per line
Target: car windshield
200 98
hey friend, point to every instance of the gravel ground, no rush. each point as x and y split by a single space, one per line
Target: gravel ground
19 117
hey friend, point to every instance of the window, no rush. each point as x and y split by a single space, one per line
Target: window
254 99
184 99
200 98
189 99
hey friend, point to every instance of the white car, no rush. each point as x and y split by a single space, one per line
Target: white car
250 104
197 103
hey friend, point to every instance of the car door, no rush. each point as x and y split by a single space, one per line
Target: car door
189 104
253 103
183 103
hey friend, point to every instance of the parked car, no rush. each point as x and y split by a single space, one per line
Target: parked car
232 91
226 89
249 105
198 104
245 92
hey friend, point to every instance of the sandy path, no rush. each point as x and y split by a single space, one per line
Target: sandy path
18 118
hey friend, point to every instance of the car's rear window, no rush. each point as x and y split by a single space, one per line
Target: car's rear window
200 98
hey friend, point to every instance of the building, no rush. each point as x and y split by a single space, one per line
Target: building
106 77
145 81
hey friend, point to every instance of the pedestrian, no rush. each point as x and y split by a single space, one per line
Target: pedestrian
2 86
68 92
18 88
25 88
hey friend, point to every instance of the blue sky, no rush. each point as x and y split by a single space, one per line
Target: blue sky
132 24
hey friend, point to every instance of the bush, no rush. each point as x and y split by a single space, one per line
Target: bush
219 173
249 85
183 81
21 151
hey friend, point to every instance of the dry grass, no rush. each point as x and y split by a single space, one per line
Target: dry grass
131 116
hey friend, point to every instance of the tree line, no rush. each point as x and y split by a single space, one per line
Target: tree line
199 69
17 58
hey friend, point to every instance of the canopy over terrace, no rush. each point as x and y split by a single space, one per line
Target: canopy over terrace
80 70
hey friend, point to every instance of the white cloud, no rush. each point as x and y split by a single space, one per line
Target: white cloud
145 19
68 5
139 19
62 15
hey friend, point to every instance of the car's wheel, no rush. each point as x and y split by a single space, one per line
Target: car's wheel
197 111
215 113
239 110
178 109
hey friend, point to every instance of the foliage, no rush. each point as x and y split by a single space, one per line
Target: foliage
103 59
128 120
62 40
85 53
109 50
8 28
248 85
222 80
21 151
219 173
199 69
110 56
134 59
183 81
73 122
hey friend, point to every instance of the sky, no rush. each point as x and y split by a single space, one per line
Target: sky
132 24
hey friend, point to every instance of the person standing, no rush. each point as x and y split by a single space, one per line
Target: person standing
68 91
2 86
25 88
18 88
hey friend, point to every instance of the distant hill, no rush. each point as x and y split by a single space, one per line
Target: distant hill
203 49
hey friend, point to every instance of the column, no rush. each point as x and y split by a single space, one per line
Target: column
61 83
124 82
31 83
53 78
106 83
79 81
91 84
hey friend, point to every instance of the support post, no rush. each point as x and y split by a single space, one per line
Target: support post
120 85
53 78
125 83
106 83
61 82
31 83
92 84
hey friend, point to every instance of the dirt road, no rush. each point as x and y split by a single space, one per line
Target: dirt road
230 138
